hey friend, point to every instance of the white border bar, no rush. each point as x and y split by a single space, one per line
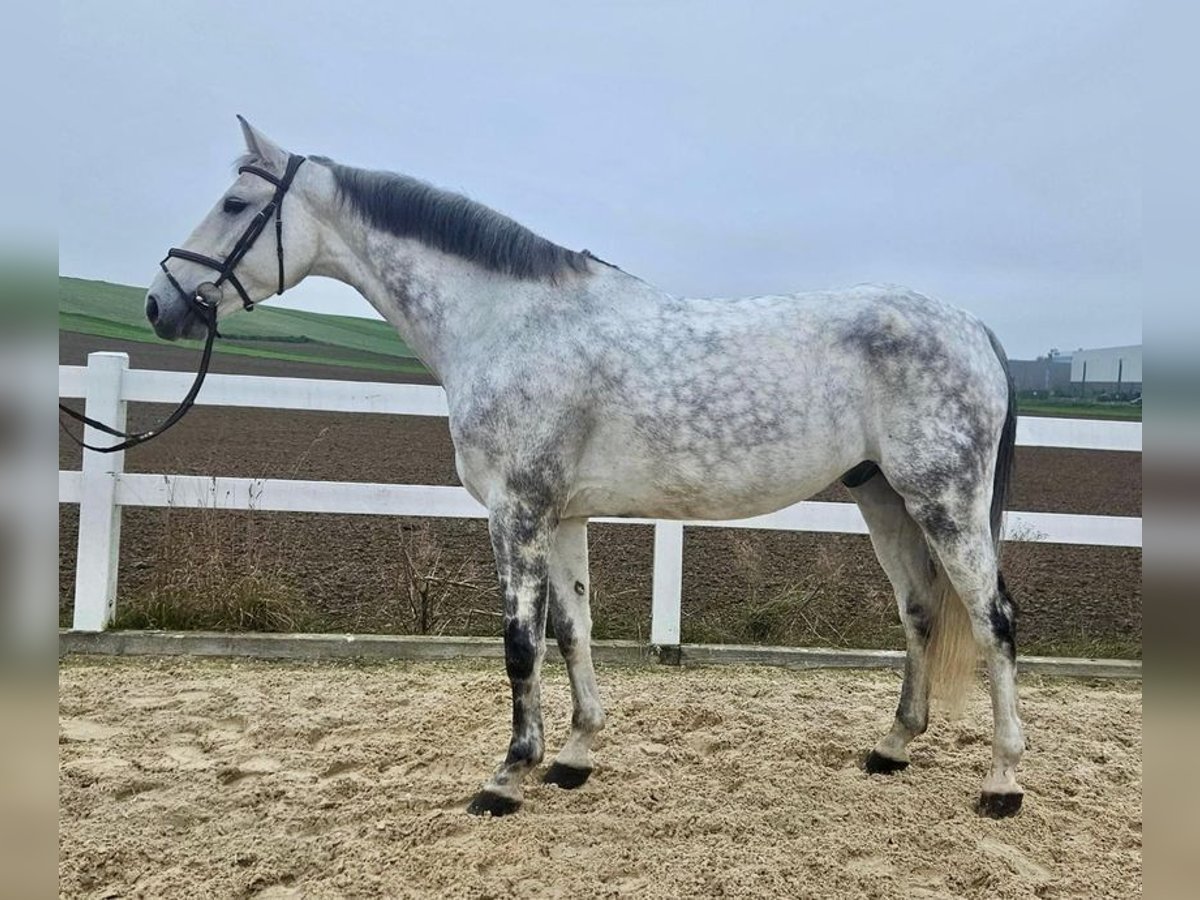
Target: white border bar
312 394
269 495
365 498
1081 434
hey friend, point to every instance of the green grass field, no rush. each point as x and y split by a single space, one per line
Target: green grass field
1069 408
116 311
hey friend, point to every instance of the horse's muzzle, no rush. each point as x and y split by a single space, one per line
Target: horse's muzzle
173 320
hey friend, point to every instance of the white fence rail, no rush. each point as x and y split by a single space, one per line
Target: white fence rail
102 488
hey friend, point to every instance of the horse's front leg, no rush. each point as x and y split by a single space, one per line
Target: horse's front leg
522 537
572 619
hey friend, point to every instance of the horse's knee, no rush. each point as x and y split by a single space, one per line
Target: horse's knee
520 649
569 615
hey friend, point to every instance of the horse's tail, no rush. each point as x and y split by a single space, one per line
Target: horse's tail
952 652
1005 455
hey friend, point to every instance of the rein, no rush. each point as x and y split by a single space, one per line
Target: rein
206 309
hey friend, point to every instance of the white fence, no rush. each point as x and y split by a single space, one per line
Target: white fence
101 487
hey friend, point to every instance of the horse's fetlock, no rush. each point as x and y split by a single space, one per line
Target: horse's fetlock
527 751
915 724
588 720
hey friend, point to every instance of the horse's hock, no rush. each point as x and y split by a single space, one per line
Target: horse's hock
237 777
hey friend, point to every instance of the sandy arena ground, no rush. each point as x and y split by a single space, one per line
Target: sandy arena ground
230 779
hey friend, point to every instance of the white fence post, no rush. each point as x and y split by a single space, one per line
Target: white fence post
668 584
99 514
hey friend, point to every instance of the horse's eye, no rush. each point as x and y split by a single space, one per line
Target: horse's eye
233 205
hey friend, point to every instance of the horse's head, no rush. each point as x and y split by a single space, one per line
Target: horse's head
258 240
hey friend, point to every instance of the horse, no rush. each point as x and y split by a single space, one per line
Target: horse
576 390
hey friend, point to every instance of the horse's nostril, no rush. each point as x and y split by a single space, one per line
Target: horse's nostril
152 309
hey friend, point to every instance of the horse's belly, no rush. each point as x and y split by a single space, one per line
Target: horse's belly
687 491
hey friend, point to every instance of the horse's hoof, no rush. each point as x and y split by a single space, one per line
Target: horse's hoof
878 764
486 803
999 806
566 777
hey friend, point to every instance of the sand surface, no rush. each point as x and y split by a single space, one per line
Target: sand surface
229 779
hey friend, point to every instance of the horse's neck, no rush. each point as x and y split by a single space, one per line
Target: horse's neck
441 305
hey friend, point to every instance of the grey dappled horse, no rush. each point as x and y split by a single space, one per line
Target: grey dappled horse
576 390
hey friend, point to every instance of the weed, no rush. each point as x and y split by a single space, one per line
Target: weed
207 575
804 612
433 595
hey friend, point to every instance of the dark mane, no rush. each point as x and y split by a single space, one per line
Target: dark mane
452 223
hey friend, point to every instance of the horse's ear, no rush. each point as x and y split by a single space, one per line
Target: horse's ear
261 146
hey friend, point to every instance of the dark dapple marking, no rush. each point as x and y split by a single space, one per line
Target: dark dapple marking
519 649
879 335
564 628
938 520
1002 615
520 657
911 356
919 617
521 532
523 751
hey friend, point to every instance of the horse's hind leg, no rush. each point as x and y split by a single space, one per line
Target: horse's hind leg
965 547
904 556
571 617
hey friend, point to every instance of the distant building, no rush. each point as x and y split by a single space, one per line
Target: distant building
1044 375
1107 370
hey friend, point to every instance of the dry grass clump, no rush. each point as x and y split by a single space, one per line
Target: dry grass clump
436 592
810 611
211 571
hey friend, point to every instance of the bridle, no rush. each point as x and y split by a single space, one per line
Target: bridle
226 266
207 309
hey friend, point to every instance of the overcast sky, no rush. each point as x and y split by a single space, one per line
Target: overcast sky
985 153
